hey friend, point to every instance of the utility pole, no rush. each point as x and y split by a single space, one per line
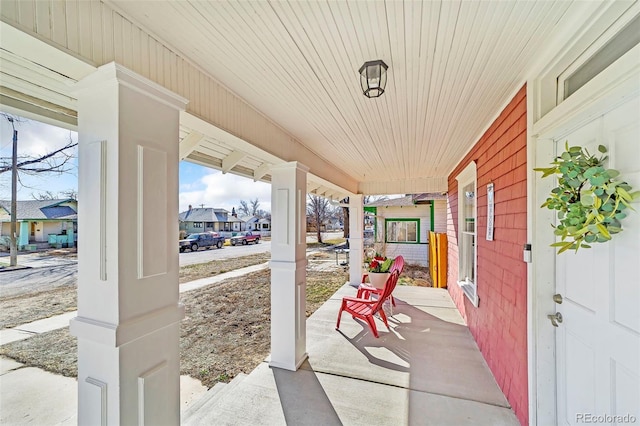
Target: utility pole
13 258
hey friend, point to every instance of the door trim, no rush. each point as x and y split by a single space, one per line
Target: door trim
614 86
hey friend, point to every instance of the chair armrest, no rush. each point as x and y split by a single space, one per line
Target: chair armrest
365 286
355 299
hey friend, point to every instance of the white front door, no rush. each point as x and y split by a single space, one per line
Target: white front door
598 341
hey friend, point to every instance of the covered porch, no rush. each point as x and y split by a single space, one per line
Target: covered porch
427 370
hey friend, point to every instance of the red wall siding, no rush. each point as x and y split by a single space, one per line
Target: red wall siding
499 323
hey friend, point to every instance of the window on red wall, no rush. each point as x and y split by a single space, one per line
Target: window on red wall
467 233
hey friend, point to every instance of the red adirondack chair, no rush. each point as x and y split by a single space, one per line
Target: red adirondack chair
365 290
365 309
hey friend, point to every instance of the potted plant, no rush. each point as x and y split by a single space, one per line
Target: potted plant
378 269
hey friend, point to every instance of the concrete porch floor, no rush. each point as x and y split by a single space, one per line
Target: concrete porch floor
427 370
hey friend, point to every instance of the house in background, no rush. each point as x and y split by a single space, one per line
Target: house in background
40 221
401 225
264 226
209 219
257 224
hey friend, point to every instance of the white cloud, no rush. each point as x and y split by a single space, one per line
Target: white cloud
35 138
225 191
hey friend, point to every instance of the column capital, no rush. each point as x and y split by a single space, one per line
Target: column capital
291 165
117 74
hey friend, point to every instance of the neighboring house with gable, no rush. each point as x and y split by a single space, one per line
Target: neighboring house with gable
257 224
38 220
401 225
264 226
210 219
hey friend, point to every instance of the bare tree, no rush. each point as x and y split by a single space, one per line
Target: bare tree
70 193
345 218
244 207
52 162
47 195
318 209
365 200
263 214
255 206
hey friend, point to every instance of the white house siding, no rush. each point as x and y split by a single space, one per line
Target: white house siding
440 215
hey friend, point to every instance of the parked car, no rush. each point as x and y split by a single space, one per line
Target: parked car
245 238
204 239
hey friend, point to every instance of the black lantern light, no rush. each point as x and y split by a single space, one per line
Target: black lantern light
373 78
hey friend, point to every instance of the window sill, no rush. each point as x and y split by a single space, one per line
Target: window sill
470 290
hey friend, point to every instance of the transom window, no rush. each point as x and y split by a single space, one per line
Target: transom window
467 207
402 230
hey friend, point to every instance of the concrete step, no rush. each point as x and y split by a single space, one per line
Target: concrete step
197 412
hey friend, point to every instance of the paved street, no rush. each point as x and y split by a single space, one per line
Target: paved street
49 272
226 252
28 280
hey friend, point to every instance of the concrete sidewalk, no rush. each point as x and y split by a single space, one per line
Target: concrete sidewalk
31 395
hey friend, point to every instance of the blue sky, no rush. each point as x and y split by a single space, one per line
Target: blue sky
198 185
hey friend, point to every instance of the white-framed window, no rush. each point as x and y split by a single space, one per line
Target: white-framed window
402 230
197 224
467 235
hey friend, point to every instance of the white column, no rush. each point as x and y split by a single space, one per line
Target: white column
356 246
128 312
288 265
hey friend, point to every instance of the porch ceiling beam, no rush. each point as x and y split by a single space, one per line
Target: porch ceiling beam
407 186
313 187
232 160
189 144
261 171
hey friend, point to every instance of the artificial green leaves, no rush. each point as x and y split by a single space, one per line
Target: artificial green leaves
591 200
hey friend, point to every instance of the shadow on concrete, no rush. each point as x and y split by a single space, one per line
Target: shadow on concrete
303 399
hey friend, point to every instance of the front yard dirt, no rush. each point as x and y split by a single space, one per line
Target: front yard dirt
32 306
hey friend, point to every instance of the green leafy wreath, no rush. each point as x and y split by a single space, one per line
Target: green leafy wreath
591 200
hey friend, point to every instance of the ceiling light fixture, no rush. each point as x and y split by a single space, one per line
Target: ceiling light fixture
373 78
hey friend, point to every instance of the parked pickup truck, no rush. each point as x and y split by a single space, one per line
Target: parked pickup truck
205 239
245 238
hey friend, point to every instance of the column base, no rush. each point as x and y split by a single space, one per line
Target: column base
290 367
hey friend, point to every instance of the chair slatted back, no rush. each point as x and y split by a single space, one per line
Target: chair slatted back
398 264
389 286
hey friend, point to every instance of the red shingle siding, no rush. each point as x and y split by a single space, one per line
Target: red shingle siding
499 323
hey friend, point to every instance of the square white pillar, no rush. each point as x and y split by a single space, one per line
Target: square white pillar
356 243
288 265
128 311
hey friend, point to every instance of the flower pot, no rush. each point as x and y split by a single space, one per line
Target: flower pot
378 279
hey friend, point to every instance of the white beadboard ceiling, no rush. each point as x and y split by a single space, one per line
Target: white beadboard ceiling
452 66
